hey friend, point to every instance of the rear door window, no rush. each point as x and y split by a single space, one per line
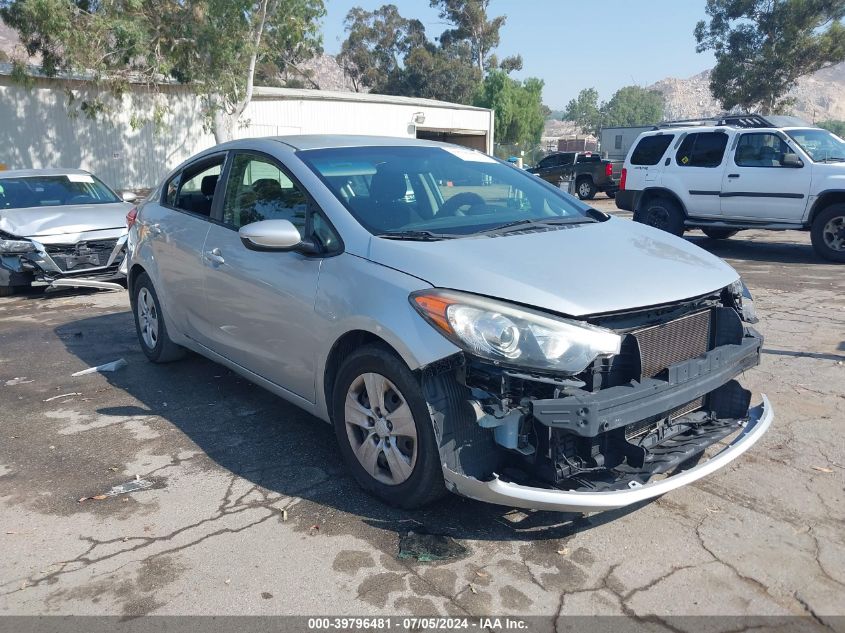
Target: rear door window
702 149
650 149
192 190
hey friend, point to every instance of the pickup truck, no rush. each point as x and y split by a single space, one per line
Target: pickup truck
590 172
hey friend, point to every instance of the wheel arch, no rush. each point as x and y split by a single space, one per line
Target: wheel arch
342 347
659 192
134 272
824 200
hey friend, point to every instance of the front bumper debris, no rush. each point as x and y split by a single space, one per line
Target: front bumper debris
589 413
511 494
71 266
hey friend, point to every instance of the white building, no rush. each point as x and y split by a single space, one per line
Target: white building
40 128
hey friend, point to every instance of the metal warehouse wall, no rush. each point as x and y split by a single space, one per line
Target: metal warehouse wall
268 115
38 129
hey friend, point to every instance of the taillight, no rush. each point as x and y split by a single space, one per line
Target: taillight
608 169
623 179
131 217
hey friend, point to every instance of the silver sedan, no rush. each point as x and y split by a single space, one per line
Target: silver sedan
464 325
64 227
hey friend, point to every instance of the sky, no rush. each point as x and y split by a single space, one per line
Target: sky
573 44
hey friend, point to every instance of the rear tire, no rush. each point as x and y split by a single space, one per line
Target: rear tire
149 323
828 233
585 189
719 234
387 438
663 214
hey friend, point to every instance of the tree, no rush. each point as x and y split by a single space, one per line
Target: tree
376 45
762 47
390 54
518 106
471 25
214 46
432 72
584 111
632 105
837 127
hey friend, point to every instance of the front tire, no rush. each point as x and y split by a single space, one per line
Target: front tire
149 323
663 214
610 194
828 233
384 429
719 234
585 189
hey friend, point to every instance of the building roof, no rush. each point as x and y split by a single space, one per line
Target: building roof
305 94
323 141
27 173
267 93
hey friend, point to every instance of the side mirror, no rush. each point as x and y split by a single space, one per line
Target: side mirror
128 196
791 160
275 235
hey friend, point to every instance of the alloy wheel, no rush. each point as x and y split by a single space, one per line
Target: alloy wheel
834 233
658 217
147 318
381 429
584 189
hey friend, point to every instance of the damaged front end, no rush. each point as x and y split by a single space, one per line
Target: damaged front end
630 426
95 263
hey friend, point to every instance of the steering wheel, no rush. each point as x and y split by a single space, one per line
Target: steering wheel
452 205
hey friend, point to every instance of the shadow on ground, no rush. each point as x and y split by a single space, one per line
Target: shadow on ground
265 440
747 249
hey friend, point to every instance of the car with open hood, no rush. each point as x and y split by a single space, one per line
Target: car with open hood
64 227
462 324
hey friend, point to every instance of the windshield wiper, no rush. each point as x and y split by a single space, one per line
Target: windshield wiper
831 159
418 236
539 222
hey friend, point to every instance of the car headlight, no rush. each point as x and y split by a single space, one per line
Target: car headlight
744 302
512 335
16 247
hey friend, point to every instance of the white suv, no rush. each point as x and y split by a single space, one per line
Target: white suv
738 173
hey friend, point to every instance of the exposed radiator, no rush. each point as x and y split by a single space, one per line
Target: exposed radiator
673 342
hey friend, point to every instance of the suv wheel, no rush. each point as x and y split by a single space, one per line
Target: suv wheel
149 323
828 233
585 189
384 429
663 214
719 234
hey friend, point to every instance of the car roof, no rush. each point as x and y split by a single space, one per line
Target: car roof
715 128
27 173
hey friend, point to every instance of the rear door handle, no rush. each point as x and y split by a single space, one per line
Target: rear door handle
733 175
214 256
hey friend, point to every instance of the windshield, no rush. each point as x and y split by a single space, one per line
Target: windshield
53 191
821 145
441 192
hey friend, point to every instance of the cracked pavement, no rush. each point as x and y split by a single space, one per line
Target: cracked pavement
251 511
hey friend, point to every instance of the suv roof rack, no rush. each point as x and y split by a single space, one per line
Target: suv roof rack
729 120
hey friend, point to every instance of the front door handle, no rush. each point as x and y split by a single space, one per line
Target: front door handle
214 256
733 175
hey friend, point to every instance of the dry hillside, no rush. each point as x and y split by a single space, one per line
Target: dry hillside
818 97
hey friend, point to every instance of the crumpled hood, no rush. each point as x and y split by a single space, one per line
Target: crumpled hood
66 221
580 270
